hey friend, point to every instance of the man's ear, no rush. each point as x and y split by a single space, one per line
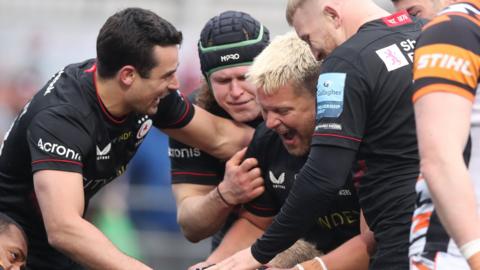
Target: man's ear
127 75
332 15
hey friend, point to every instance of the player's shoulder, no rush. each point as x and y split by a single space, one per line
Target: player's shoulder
70 89
457 25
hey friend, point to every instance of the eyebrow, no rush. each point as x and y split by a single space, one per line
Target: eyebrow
168 73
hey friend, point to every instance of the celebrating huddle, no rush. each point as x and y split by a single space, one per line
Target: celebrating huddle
330 147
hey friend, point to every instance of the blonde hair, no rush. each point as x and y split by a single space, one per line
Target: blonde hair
292 6
287 59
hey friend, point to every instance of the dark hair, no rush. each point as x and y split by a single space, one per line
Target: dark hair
128 38
6 221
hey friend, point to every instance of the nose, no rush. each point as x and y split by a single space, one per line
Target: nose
174 83
236 90
271 120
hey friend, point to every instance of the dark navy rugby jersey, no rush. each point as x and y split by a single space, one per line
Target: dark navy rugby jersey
364 110
66 127
279 170
190 164
364 104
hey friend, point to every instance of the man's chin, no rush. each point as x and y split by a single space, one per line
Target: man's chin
151 111
295 150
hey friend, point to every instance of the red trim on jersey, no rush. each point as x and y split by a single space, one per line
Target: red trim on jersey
194 173
184 114
397 19
359 173
92 69
102 106
337 136
261 208
57 160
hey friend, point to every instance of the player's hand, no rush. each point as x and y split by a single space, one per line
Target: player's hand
201 265
242 181
474 261
242 260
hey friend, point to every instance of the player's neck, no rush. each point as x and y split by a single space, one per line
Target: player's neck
368 12
111 95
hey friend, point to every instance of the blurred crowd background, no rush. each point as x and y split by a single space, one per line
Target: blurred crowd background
38 38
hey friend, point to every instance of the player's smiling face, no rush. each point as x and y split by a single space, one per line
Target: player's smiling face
162 79
291 114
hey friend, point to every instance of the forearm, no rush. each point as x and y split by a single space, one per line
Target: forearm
311 195
451 189
442 139
215 135
201 216
85 244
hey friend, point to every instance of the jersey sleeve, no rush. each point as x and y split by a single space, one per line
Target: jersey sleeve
447 57
174 111
264 205
192 166
341 105
59 139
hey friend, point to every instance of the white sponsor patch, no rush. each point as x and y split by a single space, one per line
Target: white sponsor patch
393 57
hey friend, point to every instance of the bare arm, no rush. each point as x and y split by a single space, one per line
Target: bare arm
215 135
62 208
201 210
443 122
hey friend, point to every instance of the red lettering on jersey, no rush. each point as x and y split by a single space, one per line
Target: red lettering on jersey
397 19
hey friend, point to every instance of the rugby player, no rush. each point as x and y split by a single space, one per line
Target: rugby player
364 114
286 92
81 129
446 74
206 197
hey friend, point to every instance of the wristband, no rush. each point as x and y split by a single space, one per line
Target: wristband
471 248
320 261
300 267
223 199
